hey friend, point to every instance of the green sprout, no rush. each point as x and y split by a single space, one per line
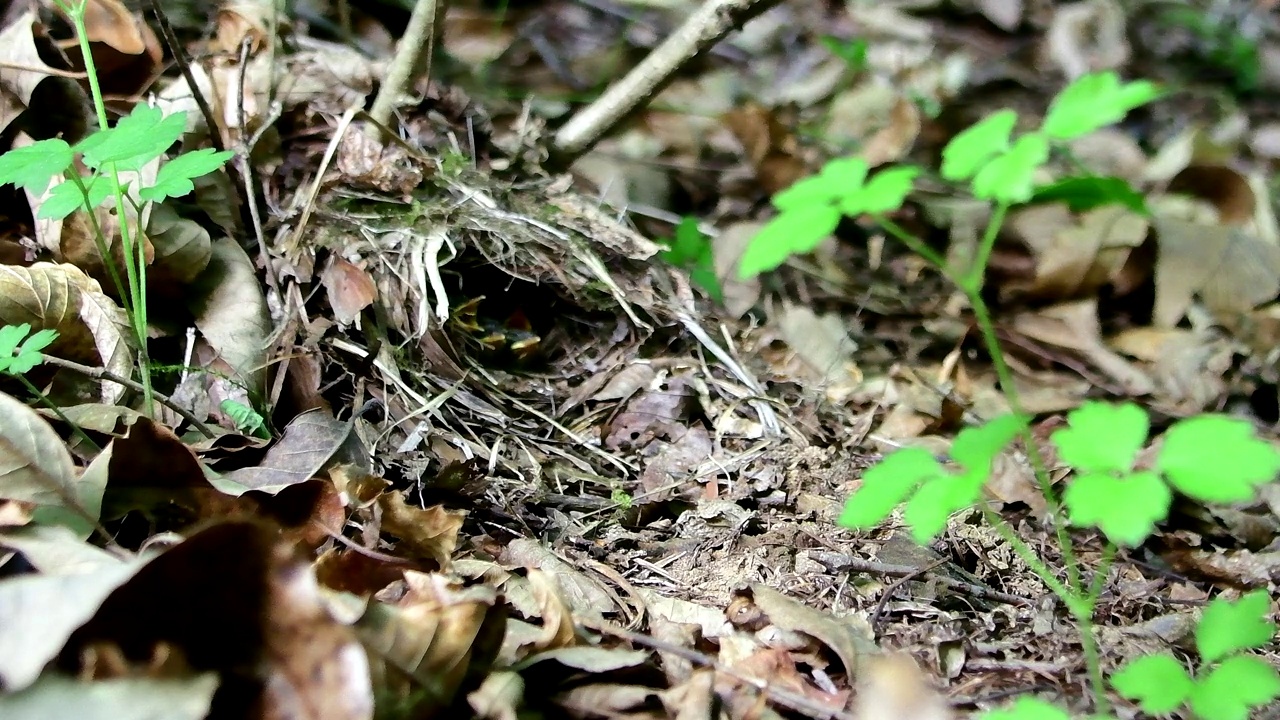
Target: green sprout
1230 683
136 140
1209 458
20 351
246 419
691 250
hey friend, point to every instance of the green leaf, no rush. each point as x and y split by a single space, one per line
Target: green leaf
66 198
852 52
1102 437
1095 101
10 336
1009 178
1125 508
1216 459
1227 627
839 177
1027 708
138 138
975 448
927 512
886 484
1086 192
885 192
175 176
687 246
971 149
1233 687
1157 682
791 233
29 354
32 167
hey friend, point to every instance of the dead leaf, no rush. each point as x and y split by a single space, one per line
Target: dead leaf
1086 37
424 532
1230 270
311 442
349 288
35 467
117 699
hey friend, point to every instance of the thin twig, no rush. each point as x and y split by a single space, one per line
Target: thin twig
104 374
417 45
703 29
892 589
215 135
839 562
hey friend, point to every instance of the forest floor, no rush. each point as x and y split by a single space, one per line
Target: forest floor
445 429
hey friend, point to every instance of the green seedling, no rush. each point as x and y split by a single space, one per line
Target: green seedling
690 249
135 141
20 350
852 52
247 420
1209 458
1230 682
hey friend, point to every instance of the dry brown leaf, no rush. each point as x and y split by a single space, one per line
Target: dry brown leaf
312 442
1087 36
422 647
1074 326
894 687
111 23
1231 270
424 532
23 68
1074 255
349 288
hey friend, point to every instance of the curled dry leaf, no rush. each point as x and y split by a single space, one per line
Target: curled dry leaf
422 647
424 532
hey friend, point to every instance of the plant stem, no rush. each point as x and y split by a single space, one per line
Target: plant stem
136 274
1078 600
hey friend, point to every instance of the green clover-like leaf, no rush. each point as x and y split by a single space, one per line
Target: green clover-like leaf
1027 708
1235 686
29 355
838 178
928 510
887 484
1216 459
884 192
138 138
975 448
793 232
1158 683
1126 508
1228 627
1102 437
175 176
1095 101
1009 177
972 148
33 167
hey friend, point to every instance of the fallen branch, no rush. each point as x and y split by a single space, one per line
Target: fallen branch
702 30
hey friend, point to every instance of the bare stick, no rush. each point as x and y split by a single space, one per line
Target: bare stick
703 29
101 374
418 37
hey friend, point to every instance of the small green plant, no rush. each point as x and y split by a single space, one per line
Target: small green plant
20 351
1210 458
852 52
691 250
247 419
136 140
1230 682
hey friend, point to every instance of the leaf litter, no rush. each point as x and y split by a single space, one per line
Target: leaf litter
520 465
